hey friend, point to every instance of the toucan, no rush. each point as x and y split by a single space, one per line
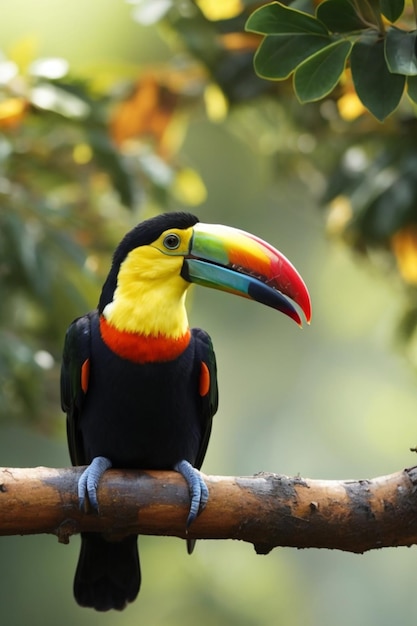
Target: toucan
139 387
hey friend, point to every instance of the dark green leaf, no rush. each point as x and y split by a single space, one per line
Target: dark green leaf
319 74
302 5
400 53
392 9
279 55
384 202
277 19
378 89
339 16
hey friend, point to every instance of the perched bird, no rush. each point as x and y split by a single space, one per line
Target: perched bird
139 387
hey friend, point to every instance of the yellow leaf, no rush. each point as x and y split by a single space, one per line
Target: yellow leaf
220 10
350 107
23 51
12 111
82 153
339 216
146 113
404 246
216 103
189 188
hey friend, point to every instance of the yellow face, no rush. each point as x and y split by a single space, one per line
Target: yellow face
150 293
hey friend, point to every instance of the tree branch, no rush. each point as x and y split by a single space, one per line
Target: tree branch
268 510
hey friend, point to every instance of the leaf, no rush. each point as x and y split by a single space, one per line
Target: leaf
319 74
379 90
51 68
12 112
404 246
339 16
400 54
51 97
147 111
392 9
8 71
412 88
225 10
277 19
189 188
388 196
279 55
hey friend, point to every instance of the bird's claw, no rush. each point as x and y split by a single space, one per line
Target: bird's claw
89 480
198 489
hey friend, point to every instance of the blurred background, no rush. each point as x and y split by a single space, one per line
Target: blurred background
112 111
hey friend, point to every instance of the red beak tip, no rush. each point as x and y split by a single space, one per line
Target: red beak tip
306 308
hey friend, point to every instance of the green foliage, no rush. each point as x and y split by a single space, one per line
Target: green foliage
80 160
318 75
379 90
377 176
400 52
61 172
392 9
318 48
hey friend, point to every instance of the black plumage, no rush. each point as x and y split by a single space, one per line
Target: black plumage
138 415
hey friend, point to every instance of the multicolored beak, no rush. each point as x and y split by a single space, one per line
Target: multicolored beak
232 260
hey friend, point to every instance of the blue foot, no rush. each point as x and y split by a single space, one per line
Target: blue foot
198 489
89 480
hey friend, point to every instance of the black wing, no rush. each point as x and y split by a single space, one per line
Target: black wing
209 396
74 382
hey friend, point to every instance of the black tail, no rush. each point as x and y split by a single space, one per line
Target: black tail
108 572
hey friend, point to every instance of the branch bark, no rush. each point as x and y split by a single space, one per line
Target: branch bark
267 510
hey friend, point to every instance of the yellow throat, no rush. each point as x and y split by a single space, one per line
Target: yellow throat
150 295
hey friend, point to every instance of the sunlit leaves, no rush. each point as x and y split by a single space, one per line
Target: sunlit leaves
404 246
316 49
50 68
147 112
8 71
189 188
298 42
53 98
70 158
215 10
12 112
382 188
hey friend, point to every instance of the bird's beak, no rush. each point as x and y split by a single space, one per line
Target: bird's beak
235 261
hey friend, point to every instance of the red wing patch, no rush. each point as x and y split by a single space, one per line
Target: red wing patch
85 375
204 386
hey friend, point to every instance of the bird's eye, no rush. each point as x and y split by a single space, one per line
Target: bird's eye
172 241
